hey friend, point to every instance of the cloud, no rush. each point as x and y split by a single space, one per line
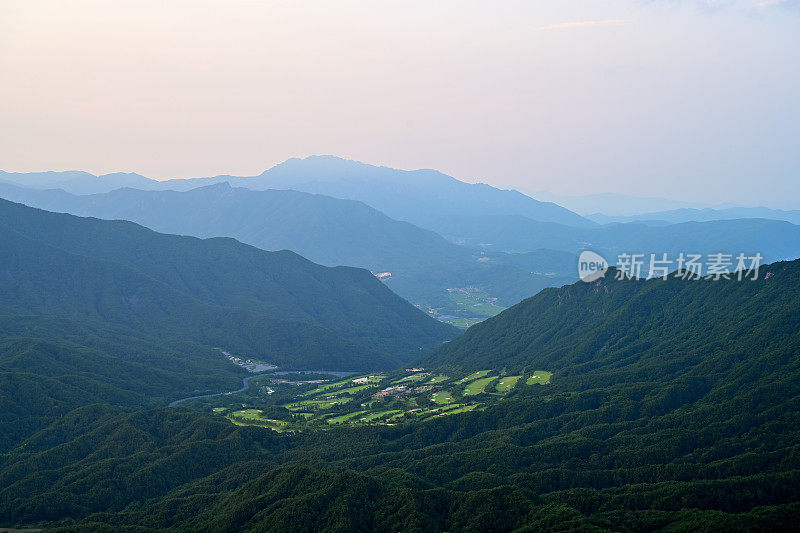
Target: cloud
768 3
588 24
743 5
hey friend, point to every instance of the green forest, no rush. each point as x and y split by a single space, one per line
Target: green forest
617 405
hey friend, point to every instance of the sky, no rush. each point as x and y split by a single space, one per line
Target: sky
693 100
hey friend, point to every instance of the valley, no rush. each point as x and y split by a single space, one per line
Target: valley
448 280
372 399
465 307
618 391
400 267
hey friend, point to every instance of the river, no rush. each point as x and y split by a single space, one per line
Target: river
245 386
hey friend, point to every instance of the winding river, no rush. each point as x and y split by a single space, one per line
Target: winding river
245 386
246 382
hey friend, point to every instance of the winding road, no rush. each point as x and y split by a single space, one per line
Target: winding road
245 383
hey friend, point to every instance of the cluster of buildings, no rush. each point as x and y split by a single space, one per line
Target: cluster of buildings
249 364
390 391
364 380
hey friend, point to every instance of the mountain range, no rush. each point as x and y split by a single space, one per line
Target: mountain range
50 258
672 406
414 196
326 230
109 311
774 239
677 216
491 253
618 205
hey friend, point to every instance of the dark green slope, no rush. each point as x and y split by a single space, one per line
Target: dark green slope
590 460
43 380
52 365
45 281
326 230
220 273
76 330
674 406
108 312
630 326
323 229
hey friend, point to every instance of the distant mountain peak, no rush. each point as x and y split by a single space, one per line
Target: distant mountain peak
122 174
222 185
325 163
416 196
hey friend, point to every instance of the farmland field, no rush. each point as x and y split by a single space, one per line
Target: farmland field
474 302
462 323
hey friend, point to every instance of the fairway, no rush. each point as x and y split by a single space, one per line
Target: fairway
506 383
412 377
418 396
442 398
453 409
380 415
478 386
328 387
316 404
253 416
352 390
474 375
541 377
461 409
345 418
346 385
248 413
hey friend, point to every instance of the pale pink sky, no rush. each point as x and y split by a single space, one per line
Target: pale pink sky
694 100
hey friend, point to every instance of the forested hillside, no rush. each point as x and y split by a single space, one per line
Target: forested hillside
673 406
633 327
320 228
110 312
48 367
326 230
129 267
